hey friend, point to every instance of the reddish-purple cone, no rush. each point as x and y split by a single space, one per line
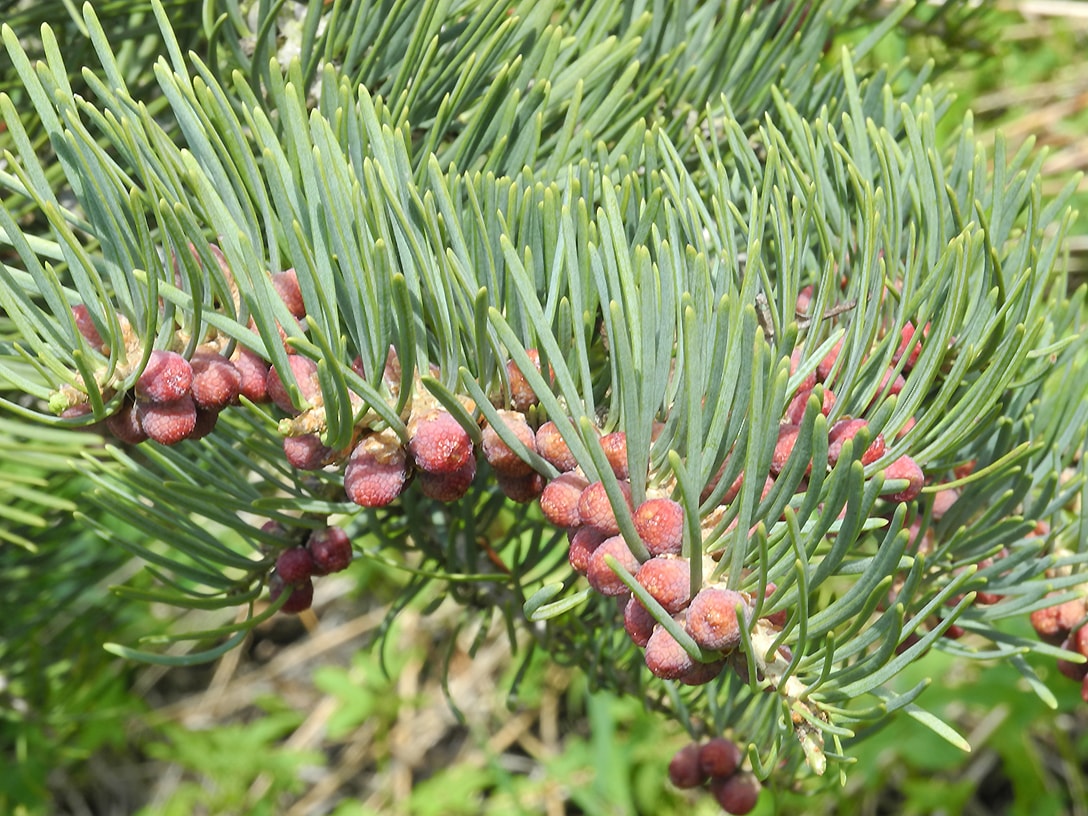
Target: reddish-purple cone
584 541
665 657
638 622
306 452
438 444
125 424
601 576
737 794
615 450
205 423
795 411
168 422
305 372
286 285
668 580
777 619
703 673
783 449
905 468
85 326
730 493
553 448
294 565
77 414
823 369
712 618
499 455
520 489
300 599
559 499
330 550
447 486
908 345
167 377
890 383
596 510
376 471
216 382
684 771
846 429
660 525
719 757
1074 671
1054 623
253 373
522 395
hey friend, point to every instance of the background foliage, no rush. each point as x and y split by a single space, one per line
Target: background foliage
308 720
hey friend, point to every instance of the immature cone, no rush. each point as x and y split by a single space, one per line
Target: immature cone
660 524
823 369
730 493
737 794
1054 623
125 424
783 449
253 375
719 757
167 377
286 285
943 502
306 452
168 422
553 448
795 411
665 657
216 381
846 429
206 420
1074 671
305 372
909 346
779 618
614 446
301 595
668 580
638 622
905 468
601 576
330 550
559 500
703 673
584 541
522 396
294 565
684 770
890 383
712 618
521 489
499 455
376 471
85 326
448 486
595 509
438 444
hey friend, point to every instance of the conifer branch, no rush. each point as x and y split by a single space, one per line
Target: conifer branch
758 290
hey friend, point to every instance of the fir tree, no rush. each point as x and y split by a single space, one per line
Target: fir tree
680 300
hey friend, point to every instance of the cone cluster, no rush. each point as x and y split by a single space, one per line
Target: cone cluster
1065 624
324 552
716 765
